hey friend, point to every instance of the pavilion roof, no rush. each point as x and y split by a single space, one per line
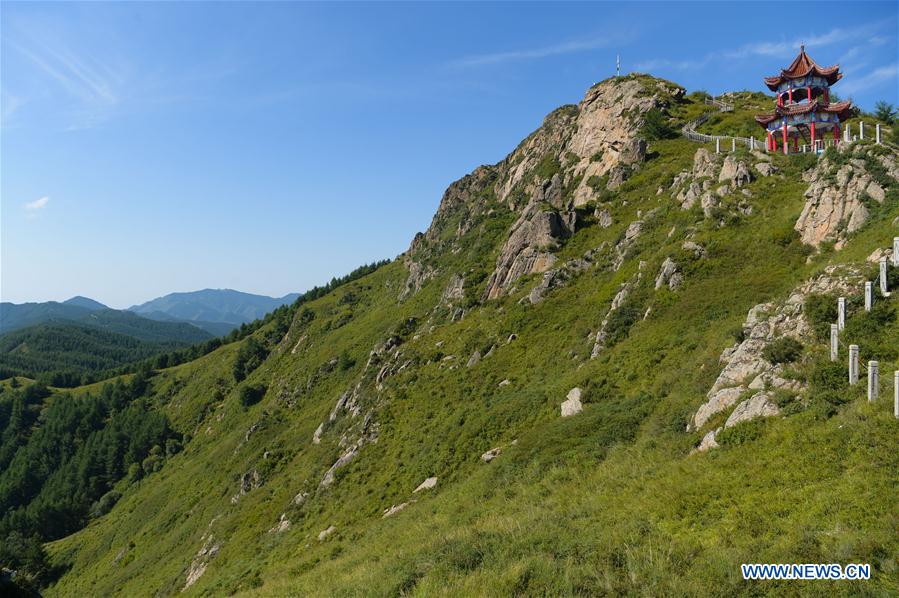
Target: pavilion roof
801 66
840 108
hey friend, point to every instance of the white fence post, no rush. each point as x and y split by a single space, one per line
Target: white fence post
834 342
883 277
861 130
877 133
841 312
733 143
896 251
717 145
853 364
896 394
847 135
873 382
869 295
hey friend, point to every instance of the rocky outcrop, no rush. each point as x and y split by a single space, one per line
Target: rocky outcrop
426 485
572 404
394 509
602 334
745 368
418 275
758 405
199 563
491 454
607 138
669 275
559 277
839 194
699 183
528 249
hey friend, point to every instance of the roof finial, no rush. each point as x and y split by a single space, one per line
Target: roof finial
802 47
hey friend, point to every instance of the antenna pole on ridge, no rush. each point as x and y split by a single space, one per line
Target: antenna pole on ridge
617 65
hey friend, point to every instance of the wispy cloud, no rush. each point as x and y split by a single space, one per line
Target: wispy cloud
875 78
568 47
32 208
58 62
866 34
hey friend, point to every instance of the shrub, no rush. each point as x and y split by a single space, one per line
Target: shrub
251 394
250 356
656 126
821 312
782 350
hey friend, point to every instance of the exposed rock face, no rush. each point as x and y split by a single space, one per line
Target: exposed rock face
559 277
837 193
607 135
527 250
758 405
603 217
708 442
696 184
572 404
426 485
669 275
598 138
282 526
734 172
418 275
745 368
199 563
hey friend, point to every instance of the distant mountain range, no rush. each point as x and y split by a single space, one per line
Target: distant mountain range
214 310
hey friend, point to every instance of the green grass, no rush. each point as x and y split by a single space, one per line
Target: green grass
606 502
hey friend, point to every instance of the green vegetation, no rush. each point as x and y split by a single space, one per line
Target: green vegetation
608 502
782 350
70 354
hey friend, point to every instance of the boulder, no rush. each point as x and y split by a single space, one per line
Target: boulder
669 275
758 405
717 402
491 454
326 532
426 485
572 404
734 173
394 509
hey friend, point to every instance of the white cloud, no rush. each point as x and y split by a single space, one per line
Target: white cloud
877 77
568 47
35 206
864 34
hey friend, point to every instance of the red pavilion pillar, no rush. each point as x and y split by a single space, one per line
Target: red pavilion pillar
809 94
785 137
791 95
812 127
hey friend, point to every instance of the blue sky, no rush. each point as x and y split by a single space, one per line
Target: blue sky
148 148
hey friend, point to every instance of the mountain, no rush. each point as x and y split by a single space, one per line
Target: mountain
211 307
68 352
604 369
68 343
85 302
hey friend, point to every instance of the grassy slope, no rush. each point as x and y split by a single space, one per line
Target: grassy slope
607 501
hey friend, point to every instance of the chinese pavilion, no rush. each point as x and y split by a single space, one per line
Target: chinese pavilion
803 107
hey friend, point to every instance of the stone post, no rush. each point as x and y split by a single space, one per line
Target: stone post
877 133
896 394
853 364
841 312
717 145
847 135
883 277
869 295
834 342
752 143
872 380
896 251
733 143
861 130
